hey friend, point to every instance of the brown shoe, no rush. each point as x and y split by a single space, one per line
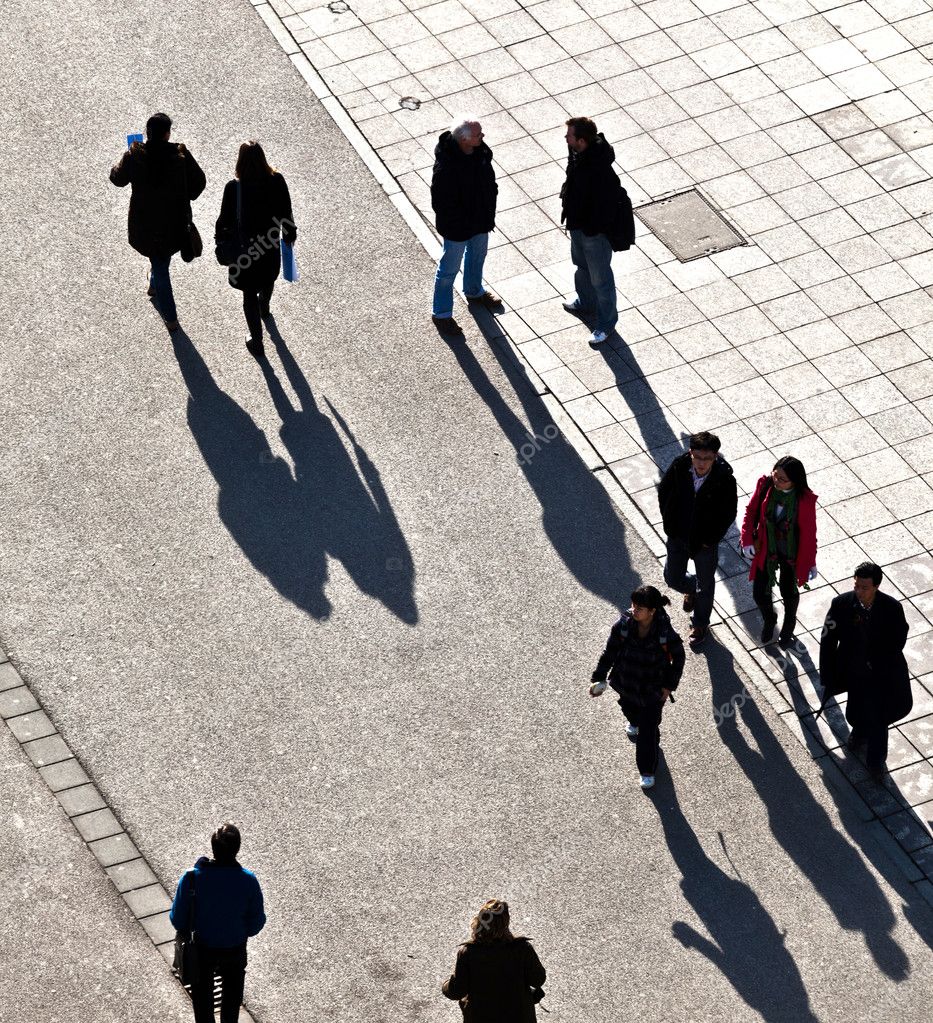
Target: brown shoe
698 636
447 325
488 298
690 600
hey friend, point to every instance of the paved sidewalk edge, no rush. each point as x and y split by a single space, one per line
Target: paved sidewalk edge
96 823
845 791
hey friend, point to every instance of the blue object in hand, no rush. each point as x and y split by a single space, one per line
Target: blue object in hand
289 264
135 137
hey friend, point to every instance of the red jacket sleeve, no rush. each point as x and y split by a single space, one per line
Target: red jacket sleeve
753 513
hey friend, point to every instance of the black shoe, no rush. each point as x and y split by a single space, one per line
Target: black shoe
255 348
698 636
785 641
854 742
767 630
690 600
447 325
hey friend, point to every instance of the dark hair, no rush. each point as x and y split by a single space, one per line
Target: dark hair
583 127
795 472
705 441
251 163
225 843
157 127
869 570
649 597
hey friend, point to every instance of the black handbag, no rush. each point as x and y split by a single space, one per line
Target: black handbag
191 244
230 248
185 963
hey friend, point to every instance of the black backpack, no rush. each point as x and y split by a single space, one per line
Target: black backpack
621 234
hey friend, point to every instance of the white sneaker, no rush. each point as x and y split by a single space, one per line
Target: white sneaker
647 781
598 688
632 732
598 338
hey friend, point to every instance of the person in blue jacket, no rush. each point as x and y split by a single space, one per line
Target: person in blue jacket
221 902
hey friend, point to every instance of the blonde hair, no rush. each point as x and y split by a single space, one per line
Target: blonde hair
491 923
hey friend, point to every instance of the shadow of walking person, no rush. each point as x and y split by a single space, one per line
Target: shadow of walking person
803 828
344 496
279 522
745 944
577 513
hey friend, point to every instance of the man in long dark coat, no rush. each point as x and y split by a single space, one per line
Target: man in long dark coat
862 653
165 177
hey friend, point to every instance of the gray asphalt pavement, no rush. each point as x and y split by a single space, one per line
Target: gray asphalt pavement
324 599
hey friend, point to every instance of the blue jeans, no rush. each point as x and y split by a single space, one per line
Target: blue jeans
162 286
702 585
449 267
596 287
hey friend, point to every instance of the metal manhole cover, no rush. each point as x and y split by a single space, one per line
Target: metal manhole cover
689 226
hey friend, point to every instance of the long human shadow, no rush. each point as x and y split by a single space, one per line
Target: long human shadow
286 524
833 866
577 513
746 945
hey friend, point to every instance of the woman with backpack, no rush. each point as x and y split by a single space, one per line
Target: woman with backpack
255 214
779 535
643 661
498 977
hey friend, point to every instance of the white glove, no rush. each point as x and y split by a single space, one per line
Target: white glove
598 688
811 575
749 550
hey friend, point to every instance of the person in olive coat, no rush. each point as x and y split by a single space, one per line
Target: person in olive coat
165 178
255 214
498 977
862 653
698 500
463 197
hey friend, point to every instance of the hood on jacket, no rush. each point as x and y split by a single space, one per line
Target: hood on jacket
599 151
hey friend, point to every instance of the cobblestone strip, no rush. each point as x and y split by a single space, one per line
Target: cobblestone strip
94 821
892 813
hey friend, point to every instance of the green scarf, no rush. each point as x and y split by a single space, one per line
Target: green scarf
788 499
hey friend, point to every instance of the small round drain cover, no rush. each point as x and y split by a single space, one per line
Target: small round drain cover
409 103
338 6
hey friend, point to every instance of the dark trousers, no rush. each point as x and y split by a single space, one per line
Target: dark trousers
646 716
702 585
230 965
161 282
787 582
255 306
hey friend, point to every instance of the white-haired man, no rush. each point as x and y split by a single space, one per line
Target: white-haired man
463 197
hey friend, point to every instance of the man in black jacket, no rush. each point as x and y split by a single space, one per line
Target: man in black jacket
698 500
590 206
165 177
463 197
862 653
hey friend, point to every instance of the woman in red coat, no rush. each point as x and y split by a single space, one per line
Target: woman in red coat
779 535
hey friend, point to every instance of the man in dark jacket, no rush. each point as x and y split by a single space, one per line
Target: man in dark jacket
862 653
463 196
165 178
590 207
698 499
221 902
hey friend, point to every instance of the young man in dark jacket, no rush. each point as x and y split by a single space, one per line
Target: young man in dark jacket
698 501
221 902
862 653
590 207
463 197
165 178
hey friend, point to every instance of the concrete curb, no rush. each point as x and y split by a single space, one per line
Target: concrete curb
848 795
99 827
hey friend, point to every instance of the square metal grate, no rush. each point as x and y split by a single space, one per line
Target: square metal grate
689 226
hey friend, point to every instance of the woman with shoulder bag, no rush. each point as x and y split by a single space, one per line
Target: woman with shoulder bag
643 661
498 977
779 535
255 214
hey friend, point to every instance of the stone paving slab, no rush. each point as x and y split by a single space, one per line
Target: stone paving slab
806 124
